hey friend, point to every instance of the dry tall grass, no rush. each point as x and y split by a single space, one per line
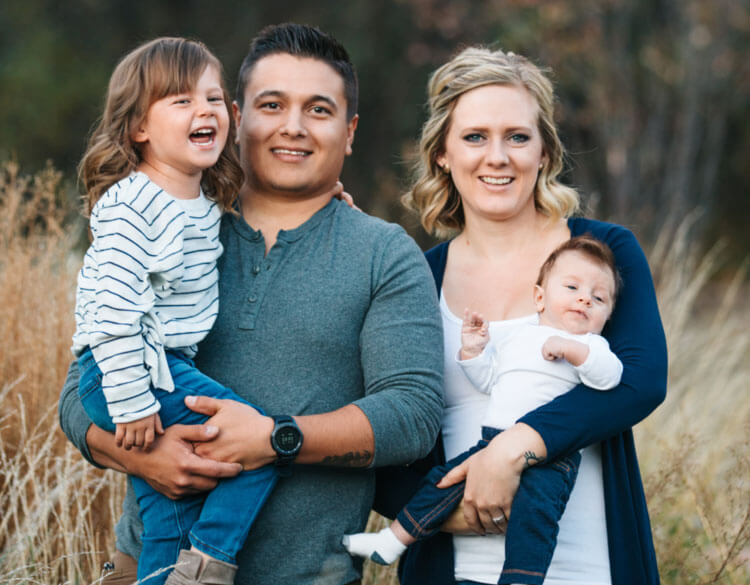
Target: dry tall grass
56 512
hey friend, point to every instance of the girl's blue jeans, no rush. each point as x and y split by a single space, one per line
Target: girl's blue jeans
218 522
531 533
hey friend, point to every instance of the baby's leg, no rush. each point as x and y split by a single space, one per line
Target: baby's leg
533 525
382 547
422 516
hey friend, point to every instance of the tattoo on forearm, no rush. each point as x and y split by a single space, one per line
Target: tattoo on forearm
351 459
531 458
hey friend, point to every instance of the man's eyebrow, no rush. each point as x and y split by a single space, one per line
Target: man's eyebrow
324 98
269 93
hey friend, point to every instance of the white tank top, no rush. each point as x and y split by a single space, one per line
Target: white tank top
581 556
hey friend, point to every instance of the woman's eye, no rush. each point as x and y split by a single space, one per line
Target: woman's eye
473 137
519 138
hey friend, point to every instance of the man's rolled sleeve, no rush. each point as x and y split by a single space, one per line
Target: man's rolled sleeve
74 421
401 346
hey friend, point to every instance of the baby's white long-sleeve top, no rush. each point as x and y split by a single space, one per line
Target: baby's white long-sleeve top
518 378
149 281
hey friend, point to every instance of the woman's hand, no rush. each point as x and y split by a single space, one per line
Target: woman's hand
244 434
492 476
338 192
456 524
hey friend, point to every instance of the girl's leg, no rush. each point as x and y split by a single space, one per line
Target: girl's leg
230 509
166 525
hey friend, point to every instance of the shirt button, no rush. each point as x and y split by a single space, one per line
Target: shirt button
256 269
252 299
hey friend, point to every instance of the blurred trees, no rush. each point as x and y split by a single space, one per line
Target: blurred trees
653 93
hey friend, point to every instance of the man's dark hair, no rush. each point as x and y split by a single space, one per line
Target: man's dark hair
301 40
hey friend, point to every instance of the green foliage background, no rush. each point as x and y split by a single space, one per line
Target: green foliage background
653 93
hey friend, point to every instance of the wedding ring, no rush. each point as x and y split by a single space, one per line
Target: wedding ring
497 520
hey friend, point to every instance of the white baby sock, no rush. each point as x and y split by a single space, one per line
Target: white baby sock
381 547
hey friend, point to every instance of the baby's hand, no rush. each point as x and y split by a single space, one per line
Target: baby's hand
139 433
559 348
554 348
474 334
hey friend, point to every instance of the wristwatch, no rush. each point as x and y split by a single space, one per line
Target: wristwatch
286 440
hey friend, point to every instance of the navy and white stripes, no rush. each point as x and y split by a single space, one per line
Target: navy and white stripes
149 281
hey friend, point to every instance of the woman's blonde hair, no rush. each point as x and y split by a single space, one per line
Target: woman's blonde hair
159 68
433 195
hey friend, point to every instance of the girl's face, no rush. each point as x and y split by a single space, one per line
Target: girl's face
493 149
184 134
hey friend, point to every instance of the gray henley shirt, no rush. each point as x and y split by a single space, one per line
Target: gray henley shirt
342 310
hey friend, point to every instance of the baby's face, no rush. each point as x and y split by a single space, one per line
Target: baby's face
577 296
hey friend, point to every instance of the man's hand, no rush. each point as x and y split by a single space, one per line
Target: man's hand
170 466
474 335
244 434
138 433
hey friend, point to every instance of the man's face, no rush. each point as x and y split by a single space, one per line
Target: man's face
292 130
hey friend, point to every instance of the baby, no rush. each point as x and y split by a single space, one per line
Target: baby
574 297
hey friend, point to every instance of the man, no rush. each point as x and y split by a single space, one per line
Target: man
326 314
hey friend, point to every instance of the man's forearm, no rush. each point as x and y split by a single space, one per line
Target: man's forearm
104 449
343 437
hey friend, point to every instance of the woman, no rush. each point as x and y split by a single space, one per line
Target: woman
488 172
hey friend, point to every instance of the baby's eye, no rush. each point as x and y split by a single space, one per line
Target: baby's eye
571 286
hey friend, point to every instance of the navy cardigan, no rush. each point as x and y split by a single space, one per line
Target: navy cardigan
579 418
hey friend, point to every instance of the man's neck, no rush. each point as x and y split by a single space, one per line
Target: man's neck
271 213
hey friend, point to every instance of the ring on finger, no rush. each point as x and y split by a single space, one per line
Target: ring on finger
499 519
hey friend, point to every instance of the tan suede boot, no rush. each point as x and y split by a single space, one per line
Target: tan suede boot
188 571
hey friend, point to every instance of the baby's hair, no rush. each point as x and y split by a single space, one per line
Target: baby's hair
590 247
159 68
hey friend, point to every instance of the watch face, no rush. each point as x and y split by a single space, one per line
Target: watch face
287 439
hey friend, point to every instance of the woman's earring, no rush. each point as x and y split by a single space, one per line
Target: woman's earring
446 169
541 166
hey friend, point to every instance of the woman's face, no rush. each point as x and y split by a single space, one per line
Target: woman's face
493 149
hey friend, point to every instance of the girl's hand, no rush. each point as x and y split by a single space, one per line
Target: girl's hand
493 474
139 433
474 334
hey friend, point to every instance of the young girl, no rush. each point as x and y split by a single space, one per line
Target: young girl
159 170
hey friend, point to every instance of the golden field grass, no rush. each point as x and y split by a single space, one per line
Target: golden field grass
57 512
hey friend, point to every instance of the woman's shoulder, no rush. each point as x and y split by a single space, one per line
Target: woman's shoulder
619 238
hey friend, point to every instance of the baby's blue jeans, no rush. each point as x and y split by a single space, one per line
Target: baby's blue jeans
531 533
216 522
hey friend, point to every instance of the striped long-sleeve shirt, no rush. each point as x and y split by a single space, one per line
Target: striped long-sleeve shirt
149 281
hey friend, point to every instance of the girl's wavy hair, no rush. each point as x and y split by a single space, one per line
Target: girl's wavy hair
433 195
159 68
